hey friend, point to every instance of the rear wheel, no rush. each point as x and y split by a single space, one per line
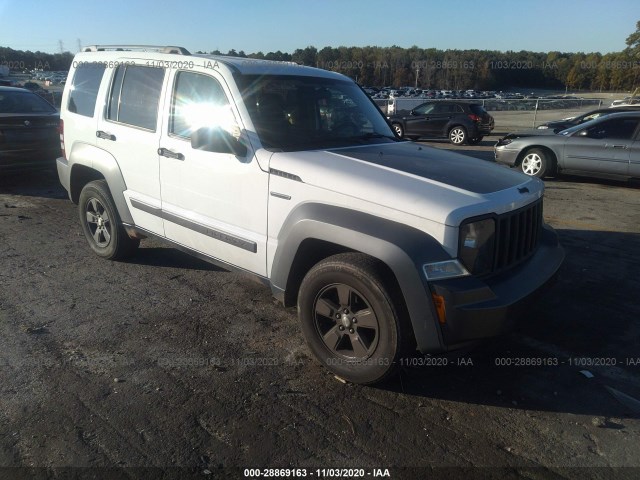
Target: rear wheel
349 318
458 135
398 129
101 223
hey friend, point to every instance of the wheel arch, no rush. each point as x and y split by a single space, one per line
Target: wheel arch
89 163
313 232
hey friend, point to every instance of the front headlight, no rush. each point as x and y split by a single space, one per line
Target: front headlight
476 245
504 141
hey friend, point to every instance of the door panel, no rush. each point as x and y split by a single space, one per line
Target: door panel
129 130
215 203
593 155
438 120
602 148
634 159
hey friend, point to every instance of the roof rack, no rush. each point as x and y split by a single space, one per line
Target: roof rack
144 48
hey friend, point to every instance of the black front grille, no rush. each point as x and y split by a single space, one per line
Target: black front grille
517 235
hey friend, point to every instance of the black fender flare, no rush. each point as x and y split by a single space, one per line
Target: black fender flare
402 248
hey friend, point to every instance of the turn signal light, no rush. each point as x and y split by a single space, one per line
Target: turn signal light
438 301
61 133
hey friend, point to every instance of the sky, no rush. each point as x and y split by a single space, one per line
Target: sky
285 25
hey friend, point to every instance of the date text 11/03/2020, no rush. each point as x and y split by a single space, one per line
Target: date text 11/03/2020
318 472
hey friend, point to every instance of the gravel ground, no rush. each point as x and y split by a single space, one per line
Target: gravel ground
165 365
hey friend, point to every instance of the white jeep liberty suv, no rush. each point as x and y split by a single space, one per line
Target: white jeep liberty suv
292 174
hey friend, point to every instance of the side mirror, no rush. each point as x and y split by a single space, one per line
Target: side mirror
216 139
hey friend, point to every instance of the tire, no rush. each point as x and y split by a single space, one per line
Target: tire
101 223
398 129
475 141
535 163
458 135
334 296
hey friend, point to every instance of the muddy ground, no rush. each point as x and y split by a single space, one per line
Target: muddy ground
172 364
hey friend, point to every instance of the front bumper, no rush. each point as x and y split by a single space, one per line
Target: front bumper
506 156
481 308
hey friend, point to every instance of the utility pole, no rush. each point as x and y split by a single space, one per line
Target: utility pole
417 73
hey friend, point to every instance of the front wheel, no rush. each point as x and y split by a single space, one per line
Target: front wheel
101 223
398 129
458 135
535 163
349 318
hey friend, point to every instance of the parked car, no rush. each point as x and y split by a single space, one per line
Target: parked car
29 136
558 125
291 174
628 101
460 122
608 144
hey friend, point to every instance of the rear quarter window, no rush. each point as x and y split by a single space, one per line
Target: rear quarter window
477 109
84 89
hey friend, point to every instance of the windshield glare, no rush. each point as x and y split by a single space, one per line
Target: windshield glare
298 113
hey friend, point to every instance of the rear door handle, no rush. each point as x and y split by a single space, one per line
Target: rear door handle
105 135
165 152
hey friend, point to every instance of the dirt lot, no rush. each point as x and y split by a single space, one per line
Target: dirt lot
169 363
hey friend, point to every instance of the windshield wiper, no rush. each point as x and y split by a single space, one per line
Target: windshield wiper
370 135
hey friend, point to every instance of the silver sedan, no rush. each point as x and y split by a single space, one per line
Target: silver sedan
607 145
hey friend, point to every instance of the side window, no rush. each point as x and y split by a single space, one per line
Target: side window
424 109
442 108
198 101
86 82
618 129
135 94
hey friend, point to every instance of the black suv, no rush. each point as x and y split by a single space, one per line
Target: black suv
460 122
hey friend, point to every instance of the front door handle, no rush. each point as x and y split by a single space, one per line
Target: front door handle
105 136
165 152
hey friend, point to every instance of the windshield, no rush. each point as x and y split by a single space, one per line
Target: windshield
575 128
302 113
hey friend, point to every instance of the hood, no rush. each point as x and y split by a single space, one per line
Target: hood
431 183
533 132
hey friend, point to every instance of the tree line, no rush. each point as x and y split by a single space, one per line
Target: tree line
475 69
434 68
